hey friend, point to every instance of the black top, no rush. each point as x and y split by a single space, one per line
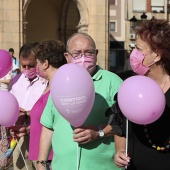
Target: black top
143 155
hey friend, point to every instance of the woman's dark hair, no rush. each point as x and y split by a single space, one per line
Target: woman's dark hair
52 51
157 34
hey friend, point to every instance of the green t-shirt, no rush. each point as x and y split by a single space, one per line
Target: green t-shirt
96 155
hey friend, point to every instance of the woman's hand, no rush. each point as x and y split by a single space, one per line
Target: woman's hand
121 160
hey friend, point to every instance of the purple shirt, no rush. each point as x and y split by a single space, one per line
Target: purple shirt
36 127
25 92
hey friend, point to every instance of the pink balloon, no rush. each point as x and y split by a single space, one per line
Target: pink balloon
72 92
141 100
5 63
9 109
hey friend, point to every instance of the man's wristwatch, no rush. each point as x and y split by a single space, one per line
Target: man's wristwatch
100 132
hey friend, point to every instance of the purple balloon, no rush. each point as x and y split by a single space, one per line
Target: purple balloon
141 99
5 63
72 92
9 109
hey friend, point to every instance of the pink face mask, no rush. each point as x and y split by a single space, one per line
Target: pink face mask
136 60
40 73
87 62
30 73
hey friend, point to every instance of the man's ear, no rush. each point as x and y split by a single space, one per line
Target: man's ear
66 56
97 51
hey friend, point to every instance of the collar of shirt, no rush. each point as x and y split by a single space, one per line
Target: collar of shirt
98 74
34 80
27 93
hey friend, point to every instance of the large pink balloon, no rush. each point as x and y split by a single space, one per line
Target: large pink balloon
72 92
141 100
9 109
5 63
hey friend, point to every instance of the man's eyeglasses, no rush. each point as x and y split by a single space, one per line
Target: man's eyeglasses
77 55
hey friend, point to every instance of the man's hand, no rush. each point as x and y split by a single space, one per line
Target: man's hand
21 109
24 118
85 134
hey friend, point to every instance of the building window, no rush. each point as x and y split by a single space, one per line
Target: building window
113 26
139 5
157 6
117 59
157 9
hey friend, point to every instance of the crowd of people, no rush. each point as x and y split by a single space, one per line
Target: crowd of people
45 140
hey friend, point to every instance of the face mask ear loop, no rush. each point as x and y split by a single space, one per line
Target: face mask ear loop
152 63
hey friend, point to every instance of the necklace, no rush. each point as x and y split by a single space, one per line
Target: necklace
154 146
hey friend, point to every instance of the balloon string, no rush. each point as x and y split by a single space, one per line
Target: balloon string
77 156
126 139
19 147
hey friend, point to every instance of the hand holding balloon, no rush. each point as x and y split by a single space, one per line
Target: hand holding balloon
141 100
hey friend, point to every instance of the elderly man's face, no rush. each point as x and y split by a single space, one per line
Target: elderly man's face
82 52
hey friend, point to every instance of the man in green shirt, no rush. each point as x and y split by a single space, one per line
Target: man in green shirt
91 146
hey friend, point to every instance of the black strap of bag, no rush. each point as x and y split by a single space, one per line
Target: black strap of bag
115 118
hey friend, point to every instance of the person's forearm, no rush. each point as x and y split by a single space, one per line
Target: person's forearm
5 81
45 147
121 158
120 143
108 131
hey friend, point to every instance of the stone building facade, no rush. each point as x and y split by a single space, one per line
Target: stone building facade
107 21
23 21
